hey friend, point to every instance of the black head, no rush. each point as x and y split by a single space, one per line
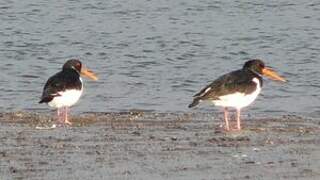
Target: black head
73 64
257 66
254 65
76 65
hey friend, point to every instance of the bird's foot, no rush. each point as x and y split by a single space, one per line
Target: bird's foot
60 123
235 130
223 127
232 129
67 122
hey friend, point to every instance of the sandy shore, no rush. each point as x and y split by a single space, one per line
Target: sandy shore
138 145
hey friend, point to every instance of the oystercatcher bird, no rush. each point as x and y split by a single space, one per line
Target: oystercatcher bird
236 89
64 89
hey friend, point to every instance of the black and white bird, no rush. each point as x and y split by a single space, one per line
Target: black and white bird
64 89
236 89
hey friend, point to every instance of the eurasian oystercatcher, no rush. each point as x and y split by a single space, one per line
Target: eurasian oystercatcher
64 89
236 89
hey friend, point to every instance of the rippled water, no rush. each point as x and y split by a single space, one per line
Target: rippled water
154 55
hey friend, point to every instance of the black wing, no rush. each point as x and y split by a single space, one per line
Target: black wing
68 79
52 87
236 81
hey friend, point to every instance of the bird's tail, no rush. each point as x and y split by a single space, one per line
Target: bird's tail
45 99
194 102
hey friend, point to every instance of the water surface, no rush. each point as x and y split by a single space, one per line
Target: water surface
154 55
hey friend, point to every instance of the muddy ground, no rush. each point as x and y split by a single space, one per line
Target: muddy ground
146 145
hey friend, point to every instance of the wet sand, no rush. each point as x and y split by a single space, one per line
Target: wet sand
146 145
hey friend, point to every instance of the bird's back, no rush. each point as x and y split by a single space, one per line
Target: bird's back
235 81
60 82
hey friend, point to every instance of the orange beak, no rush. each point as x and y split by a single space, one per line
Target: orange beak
88 73
272 74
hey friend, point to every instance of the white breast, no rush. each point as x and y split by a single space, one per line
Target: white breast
239 100
66 98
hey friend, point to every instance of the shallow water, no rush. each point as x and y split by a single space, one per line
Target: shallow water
154 55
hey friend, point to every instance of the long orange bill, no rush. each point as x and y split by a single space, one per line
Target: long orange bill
272 74
88 73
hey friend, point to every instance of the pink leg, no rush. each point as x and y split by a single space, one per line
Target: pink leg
66 121
226 118
58 114
238 119
59 119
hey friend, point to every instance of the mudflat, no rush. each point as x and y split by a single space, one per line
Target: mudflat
148 145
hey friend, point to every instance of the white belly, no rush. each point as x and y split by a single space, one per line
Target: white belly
66 98
239 100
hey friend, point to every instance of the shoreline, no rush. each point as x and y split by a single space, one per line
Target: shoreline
144 145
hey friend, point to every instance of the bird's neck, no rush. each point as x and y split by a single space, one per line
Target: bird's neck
251 71
71 71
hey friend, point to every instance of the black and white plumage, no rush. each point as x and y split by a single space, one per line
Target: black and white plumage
64 89
236 89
